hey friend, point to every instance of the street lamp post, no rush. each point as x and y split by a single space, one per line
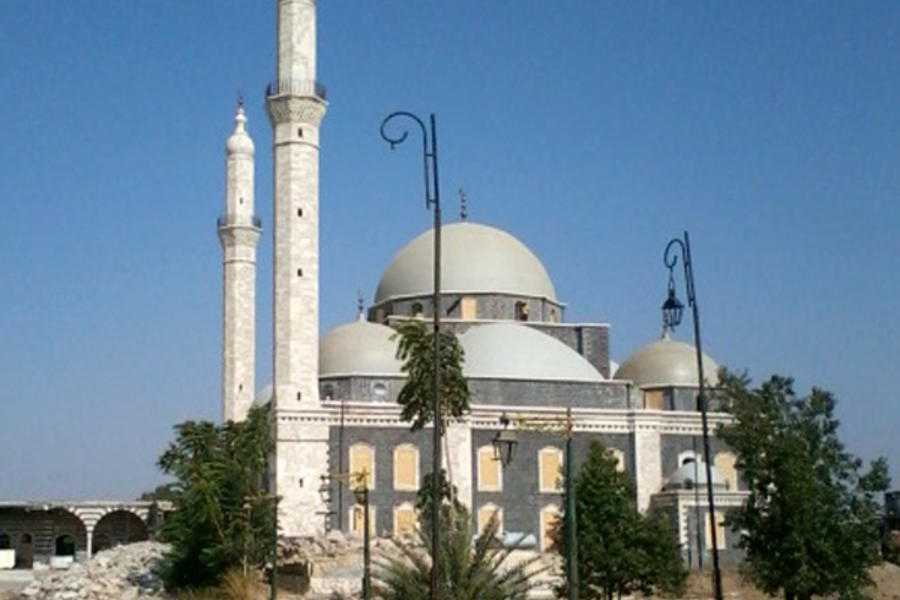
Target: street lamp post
505 443
362 497
432 200
673 310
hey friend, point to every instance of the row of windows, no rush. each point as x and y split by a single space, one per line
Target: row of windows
468 310
405 523
550 464
490 470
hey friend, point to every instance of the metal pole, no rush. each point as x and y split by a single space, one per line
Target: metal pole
701 401
571 533
367 580
340 481
432 200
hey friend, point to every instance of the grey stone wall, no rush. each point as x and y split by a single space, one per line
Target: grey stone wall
521 499
361 388
729 553
548 393
43 527
383 497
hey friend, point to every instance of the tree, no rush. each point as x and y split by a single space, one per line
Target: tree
810 524
469 572
619 550
416 349
222 517
165 491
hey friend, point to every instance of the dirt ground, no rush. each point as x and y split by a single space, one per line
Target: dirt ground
886 577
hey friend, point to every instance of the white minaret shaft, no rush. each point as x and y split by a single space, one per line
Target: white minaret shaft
296 104
239 236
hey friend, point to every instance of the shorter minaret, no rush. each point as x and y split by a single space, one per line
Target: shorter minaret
239 231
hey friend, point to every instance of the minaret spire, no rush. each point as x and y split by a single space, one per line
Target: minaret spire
296 104
238 231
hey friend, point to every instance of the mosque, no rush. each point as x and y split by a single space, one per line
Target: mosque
332 397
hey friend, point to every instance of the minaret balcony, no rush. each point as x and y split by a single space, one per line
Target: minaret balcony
296 87
239 220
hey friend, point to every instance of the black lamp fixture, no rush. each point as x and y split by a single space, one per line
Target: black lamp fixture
672 308
505 443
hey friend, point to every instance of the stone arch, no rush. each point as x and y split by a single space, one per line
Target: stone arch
118 526
67 522
25 551
64 545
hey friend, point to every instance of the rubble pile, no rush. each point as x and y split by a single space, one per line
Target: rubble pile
121 573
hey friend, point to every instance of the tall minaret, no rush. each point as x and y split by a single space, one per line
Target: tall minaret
296 104
239 235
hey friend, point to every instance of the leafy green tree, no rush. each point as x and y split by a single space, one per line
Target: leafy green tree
415 349
619 551
165 491
222 517
810 524
468 572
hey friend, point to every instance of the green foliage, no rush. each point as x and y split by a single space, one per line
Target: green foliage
810 524
619 551
165 491
468 572
415 349
222 517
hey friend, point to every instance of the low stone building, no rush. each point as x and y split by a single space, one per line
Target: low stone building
44 534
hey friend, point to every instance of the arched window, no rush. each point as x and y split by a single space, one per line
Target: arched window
620 459
521 311
5 541
490 473
724 463
686 457
404 521
327 392
357 519
721 542
549 519
362 461
406 468
550 461
485 513
65 545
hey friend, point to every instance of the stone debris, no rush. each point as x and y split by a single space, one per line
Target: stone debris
122 573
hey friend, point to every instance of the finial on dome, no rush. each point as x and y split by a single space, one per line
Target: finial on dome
360 306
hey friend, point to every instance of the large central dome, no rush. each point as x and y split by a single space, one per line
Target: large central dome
474 259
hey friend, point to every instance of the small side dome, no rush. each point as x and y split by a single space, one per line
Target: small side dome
475 259
359 348
511 351
684 477
667 362
239 142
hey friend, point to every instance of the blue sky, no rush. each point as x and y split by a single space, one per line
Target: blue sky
593 131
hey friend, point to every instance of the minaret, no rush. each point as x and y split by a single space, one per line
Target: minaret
238 235
296 104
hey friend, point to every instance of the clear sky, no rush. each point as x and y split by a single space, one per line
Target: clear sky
593 131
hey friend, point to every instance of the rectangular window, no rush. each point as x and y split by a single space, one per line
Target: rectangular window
720 531
468 308
406 468
653 400
549 465
490 478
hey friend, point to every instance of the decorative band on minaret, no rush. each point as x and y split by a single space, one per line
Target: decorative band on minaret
295 103
239 230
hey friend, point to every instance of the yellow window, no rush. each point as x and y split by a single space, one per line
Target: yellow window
357 519
549 465
484 517
468 307
549 519
653 400
362 462
404 521
720 531
406 468
490 478
724 463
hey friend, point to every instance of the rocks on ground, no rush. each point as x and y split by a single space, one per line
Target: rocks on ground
121 573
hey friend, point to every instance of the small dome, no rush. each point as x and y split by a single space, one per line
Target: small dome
667 362
359 348
239 142
684 477
475 259
511 351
